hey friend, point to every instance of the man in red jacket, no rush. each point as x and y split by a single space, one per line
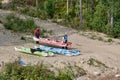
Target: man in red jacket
37 34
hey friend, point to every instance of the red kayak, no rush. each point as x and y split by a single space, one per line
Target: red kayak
53 42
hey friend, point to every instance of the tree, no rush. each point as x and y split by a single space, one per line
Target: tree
80 13
49 7
67 6
36 4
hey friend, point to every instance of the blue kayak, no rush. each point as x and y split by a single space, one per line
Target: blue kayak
59 50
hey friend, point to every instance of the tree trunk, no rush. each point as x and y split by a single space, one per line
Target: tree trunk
108 17
67 7
112 15
112 21
36 4
80 13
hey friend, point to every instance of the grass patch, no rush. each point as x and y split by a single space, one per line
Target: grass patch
70 72
93 37
79 71
19 25
42 33
100 38
14 71
96 63
31 11
110 40
22 25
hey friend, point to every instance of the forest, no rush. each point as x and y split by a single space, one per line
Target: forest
94 15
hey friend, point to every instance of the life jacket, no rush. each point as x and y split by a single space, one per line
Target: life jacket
36 33
65 37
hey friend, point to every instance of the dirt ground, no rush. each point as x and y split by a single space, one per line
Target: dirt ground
91 45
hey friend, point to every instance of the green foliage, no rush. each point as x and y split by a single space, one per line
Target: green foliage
22 25
66 73
14 71
99 20
100 39
88 18
96 63
116 29
19 25
2 78
108 29
93 37
42 31
70 72
96 14
110 40
49 7
80 71
14 4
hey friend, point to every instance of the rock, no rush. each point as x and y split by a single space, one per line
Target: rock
5 1
97 73
115 69
117 75
82 61
82 78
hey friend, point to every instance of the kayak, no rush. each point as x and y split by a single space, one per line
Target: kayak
53 42
34 51
59 50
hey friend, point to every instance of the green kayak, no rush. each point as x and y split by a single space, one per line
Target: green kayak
34 51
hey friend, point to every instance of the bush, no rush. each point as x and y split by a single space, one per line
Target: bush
116 29
49 8
99 19
14 71
110 40
19 25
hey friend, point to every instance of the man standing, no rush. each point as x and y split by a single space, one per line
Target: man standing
37 34
65 38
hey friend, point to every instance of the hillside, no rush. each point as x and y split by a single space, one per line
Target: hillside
89 44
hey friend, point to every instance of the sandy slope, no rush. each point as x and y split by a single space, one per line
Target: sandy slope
103 51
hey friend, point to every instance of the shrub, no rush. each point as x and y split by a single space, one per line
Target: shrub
116 29
14 71
110 40
19 25
49 8
96 63
100 38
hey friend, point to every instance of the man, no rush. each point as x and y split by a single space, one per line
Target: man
37 34
65 38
